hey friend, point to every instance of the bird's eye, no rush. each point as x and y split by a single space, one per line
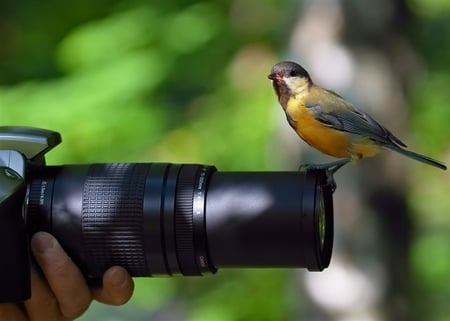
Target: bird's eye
292 73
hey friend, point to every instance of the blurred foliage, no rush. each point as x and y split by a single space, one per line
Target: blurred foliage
169 81
156 80
185 81
430 260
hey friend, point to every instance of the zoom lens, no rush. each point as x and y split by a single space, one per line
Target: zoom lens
161 218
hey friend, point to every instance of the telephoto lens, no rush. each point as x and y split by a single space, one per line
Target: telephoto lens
168 219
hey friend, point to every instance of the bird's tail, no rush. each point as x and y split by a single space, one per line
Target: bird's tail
416 156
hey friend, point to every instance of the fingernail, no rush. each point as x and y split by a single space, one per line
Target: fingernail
42 242
119 278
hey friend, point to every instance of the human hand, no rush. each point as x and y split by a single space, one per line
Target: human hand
64 293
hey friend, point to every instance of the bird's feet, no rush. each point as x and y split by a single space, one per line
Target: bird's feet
330 169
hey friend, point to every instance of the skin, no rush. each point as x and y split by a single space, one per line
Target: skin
60 292
329 123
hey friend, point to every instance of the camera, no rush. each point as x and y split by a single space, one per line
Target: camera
156 218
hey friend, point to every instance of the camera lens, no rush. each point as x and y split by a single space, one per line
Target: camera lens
270 219
161 218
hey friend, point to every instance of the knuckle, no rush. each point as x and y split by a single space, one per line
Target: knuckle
60 268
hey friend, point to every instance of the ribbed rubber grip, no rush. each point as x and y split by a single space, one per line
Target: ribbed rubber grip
112 217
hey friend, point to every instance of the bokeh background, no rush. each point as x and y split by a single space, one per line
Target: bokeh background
186 81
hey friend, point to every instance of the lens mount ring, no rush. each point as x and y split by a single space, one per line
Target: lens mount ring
199 224
190 232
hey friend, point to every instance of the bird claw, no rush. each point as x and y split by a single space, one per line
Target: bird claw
329 168
330 183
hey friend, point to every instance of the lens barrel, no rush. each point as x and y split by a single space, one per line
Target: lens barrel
270 219
162 218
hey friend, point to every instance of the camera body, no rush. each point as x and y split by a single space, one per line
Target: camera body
19 148
156 218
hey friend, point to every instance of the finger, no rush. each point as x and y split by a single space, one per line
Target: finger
12 312
63 276
117 287
43 304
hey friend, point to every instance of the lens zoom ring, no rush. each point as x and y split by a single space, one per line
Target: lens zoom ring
184 231
112 217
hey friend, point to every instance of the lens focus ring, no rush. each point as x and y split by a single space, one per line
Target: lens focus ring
184 228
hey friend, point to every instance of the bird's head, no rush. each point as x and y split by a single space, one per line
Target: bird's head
289 78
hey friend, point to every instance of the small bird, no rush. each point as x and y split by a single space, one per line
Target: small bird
329 123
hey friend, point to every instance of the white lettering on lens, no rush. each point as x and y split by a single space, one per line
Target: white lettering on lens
201 180
42 195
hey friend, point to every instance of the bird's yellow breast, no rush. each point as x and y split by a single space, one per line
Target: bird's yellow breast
325 138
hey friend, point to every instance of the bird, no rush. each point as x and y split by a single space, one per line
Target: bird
329 123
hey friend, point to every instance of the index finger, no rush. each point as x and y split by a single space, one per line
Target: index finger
63 276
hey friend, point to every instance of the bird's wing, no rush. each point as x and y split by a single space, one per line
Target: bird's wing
332 110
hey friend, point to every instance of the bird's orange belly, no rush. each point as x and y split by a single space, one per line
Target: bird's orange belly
328 140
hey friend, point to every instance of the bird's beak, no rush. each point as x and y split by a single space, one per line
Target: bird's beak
274 76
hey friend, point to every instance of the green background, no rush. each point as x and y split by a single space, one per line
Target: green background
186 81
